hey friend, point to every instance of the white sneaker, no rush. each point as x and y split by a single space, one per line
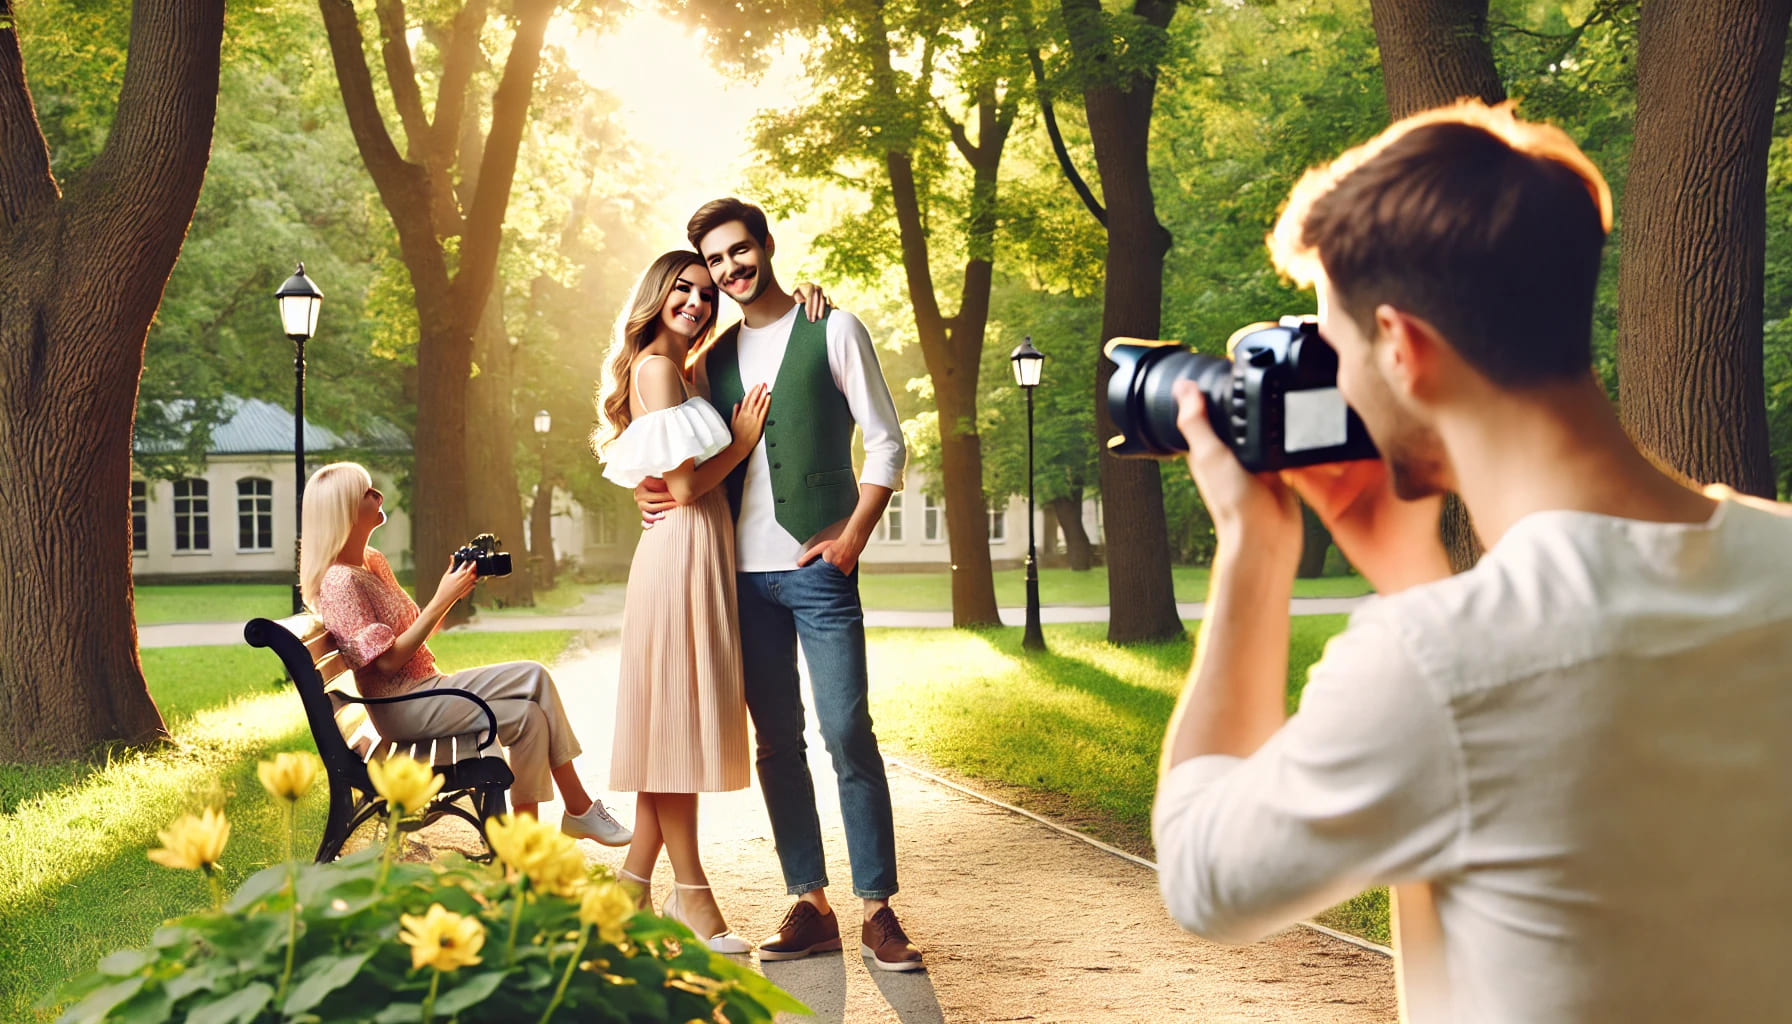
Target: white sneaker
720 942
597 824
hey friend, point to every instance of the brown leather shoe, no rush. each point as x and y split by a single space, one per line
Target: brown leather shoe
882 940
805 930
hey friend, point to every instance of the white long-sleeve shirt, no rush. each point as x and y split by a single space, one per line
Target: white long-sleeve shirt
1573 762
761 543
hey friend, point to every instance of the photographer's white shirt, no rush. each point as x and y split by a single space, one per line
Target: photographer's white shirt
761 544
1574 762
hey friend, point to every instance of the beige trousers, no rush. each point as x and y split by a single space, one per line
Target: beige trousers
532 723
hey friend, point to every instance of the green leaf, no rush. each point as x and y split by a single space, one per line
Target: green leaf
327 975
238 1007
469 992
200 978
101 1002
125 962
400 1013
258 887
150 1006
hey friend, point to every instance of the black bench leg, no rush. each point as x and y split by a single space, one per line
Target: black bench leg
337 826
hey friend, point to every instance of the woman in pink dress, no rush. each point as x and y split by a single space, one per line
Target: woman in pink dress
381 633
681 715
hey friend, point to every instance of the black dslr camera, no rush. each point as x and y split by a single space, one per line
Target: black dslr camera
1275 401
483 552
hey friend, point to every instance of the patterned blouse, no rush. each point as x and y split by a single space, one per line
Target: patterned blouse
365 610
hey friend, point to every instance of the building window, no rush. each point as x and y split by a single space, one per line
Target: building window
254 514
998 525
890 527
192 515
603 527
139 516
930 518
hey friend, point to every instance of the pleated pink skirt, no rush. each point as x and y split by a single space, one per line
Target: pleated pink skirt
681 712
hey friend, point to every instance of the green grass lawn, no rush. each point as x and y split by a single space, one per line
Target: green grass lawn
1073 735
932 591
75 883
211 602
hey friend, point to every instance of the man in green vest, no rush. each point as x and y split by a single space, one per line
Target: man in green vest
802 517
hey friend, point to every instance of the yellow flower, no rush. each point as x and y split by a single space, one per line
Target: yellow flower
606 906
442 939
549 858
288 776
193 843
404 782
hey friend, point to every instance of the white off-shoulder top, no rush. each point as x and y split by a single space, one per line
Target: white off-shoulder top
662 440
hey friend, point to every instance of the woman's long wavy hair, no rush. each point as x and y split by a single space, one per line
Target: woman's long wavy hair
332 503
638 325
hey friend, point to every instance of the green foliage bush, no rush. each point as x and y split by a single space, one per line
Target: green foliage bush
356 940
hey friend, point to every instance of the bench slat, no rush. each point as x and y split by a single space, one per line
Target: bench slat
331 665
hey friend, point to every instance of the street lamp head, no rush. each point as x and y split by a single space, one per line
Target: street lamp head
1028 361
299 302
543 422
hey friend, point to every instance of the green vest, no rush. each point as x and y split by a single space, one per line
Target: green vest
808 431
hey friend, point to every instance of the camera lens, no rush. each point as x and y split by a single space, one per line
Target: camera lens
1143 405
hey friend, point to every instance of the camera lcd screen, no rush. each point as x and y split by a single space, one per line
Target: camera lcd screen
1314 418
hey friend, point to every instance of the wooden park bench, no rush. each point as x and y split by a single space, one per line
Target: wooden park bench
474 781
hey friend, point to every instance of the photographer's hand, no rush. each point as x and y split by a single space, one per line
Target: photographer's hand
1395 544
1254 511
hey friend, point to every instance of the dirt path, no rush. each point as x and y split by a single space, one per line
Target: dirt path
1019 922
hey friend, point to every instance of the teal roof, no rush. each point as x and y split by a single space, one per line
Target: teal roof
254 427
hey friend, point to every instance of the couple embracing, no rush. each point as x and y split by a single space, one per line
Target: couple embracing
740 454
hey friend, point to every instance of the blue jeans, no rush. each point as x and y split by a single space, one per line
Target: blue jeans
818 605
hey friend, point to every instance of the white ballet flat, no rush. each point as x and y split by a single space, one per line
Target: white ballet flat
722 942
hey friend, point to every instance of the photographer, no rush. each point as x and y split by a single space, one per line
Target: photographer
1571 762
381 633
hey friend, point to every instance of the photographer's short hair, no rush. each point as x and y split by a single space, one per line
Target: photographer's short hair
1487 227
717 212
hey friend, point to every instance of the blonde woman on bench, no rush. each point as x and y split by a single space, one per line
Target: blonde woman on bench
381 632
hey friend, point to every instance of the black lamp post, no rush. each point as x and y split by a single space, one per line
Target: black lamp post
299 302
1028 361
544 540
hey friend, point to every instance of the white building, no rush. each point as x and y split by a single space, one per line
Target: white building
234 520
910 538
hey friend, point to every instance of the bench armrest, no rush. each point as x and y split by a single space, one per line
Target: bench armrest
491 720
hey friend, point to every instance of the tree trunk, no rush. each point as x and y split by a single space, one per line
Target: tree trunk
541 533
1141 599
1077 549
494 498
1316 540
81 276
418 194
952 346
1435 52
1049 555
1690 279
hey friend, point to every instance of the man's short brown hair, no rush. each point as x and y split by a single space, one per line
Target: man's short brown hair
1487 227
717 212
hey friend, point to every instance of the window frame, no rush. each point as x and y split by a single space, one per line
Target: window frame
252 512
193 520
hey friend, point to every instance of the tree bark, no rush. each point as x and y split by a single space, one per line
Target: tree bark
1050 556
1316 540
81 277
541 533
952 346
1077 549
494 498
1690 279
418 196
1141 598
1435 52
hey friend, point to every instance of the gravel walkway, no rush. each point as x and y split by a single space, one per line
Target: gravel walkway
1020 922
